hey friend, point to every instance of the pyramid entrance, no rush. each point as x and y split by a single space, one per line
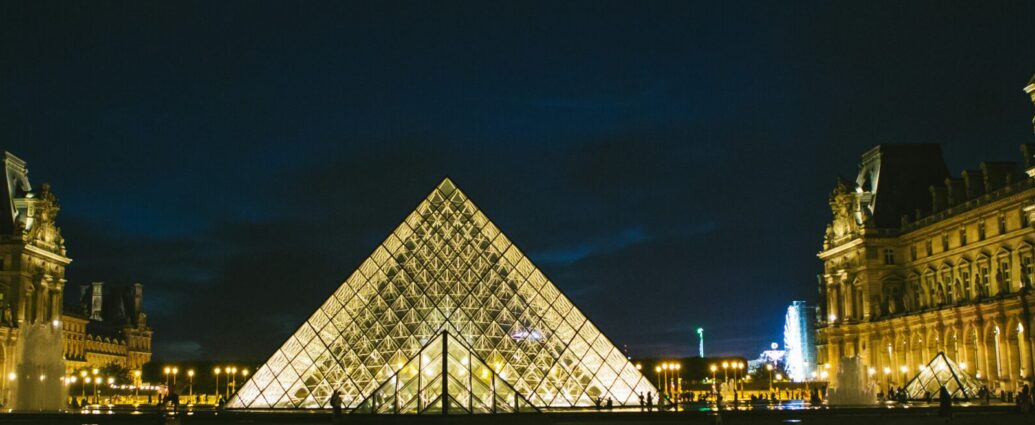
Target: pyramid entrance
939 372
447 297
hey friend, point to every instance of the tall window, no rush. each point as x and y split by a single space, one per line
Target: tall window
1004 271
985 284
965 279
928 248
945 242
918 293
912 251
947 284
889 256
963 236
1025 221
1026 269
981 230
1002 224
932 293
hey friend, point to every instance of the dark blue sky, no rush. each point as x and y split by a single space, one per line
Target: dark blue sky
666 164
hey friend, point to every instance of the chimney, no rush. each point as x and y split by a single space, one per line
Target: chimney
973 183
938 198
996 174
955 192
97 300
138 300
1028 152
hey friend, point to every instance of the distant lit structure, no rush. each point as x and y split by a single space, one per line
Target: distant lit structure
700 342
798 341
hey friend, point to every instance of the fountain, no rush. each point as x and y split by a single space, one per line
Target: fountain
852 389
37 378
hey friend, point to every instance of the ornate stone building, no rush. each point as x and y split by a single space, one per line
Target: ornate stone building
917 261
32 283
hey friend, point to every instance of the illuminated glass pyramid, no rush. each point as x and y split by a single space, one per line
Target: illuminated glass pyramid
446 316
939 372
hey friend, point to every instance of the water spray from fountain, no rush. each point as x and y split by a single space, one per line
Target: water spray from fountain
37 381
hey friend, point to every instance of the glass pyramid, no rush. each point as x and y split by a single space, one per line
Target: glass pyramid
445 277
938 372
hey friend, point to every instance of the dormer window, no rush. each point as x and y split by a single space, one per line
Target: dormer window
963 236
928 248
889 256
1002 224
945 242
981 231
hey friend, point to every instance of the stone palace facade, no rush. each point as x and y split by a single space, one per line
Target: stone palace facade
106 326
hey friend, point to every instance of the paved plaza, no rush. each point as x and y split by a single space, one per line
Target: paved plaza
839 416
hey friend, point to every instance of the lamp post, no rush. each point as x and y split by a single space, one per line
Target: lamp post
713 368
190 377
657 376
725 376
678 385
769 367
82 376
176 371
166 372
217 371
664 377
96 378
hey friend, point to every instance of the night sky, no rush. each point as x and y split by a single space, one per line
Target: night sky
667 165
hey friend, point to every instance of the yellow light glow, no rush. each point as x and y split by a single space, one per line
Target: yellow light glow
887 370
639 366
904 369
217 370
871 371
82 373
714 368
725 365
963 365
95 371
190 373
166 371
244 372
779 376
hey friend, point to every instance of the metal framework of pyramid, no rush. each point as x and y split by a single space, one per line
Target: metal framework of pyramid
939 372
445 316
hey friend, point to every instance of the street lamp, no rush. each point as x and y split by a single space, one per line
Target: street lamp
190 376
725 376
769 367
664 377
82 374
166 372
176 371
136 387
713 368
217 371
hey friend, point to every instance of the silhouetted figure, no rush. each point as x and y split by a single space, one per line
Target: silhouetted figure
75 403
650 401
336 405
610 404
944 402
641 401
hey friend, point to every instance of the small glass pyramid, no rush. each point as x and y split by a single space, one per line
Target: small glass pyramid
445 277
939 372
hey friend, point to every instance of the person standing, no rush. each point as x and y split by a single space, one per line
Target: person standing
650 401
944 402
336 406
641 401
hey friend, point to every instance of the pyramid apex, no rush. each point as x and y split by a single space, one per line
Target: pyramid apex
446 186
